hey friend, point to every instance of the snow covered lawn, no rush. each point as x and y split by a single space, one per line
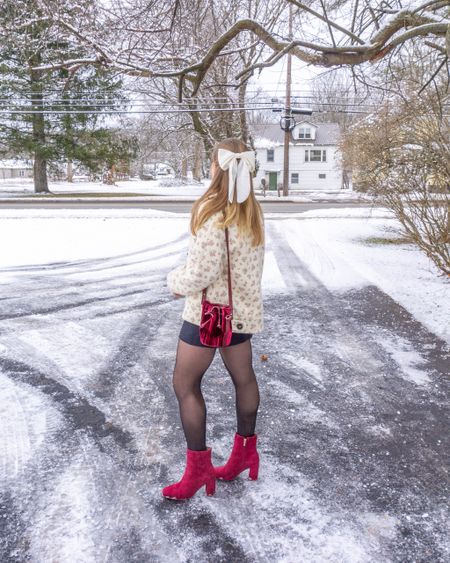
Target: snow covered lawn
156 189
354 396
24 187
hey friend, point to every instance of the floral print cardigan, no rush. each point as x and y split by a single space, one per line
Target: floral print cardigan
206 266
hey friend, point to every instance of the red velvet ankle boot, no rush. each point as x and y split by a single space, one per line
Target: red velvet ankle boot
199 471
243 456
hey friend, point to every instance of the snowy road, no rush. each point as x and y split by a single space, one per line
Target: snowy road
353 423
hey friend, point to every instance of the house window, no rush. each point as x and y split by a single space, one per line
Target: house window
21 173
322 176
270 155
304 133
315 155
294 178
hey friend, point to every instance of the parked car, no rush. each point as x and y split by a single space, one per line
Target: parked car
147 176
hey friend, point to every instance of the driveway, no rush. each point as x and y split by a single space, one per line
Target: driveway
353 428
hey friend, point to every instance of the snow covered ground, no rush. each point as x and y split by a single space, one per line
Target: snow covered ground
24 187
156 189
354 396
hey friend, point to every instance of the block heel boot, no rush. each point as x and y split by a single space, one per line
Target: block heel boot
244 455
199 472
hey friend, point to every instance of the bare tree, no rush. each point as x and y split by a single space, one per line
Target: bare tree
216 110
401 155
137 37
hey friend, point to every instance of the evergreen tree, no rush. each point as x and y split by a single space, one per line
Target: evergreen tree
53 115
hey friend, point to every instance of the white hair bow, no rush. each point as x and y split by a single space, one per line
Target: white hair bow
237 172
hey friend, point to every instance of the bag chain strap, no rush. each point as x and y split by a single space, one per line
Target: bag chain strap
230 293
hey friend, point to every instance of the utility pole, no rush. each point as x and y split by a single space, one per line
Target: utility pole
287 110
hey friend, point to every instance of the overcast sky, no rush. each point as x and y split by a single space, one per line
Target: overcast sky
273 79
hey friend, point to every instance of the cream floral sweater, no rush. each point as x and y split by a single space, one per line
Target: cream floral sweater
206 266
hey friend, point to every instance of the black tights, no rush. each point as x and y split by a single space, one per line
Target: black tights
190 366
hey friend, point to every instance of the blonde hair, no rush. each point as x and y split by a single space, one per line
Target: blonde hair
248 215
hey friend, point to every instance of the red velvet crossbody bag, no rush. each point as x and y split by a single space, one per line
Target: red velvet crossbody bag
215 324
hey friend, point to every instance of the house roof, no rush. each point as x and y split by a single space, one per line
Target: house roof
270 134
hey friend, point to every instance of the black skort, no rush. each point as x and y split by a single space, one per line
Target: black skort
190 333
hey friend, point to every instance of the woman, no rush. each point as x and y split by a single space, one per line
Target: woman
228 202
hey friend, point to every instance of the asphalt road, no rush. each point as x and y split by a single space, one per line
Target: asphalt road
175 207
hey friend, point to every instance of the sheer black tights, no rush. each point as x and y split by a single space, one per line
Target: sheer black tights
191 364
238 361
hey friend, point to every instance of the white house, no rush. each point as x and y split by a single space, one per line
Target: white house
14 168
313 156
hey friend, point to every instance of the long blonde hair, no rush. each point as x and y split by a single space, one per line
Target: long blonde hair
248 215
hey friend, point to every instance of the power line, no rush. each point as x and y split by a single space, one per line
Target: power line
144 112
141 99
87 101
265 105
138 102
120 112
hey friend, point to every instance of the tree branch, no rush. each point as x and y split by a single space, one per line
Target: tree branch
382 42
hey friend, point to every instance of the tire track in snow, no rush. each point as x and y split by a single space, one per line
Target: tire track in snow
80 414
103 261
384 314
367 393
131 348
14 436
322 479
20 308
13 531
33 286
73 305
